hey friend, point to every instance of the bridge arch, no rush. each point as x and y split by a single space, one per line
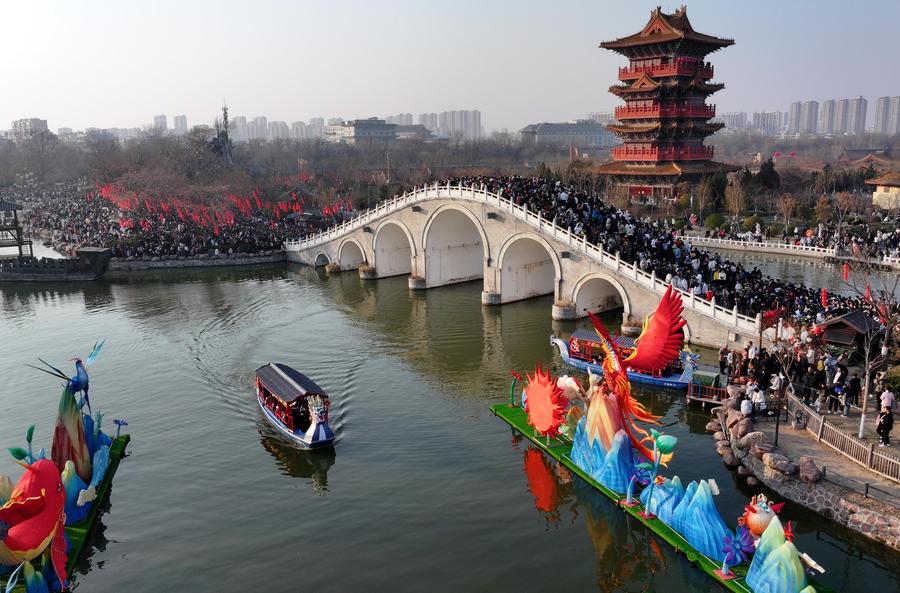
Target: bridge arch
393 248
351 254
322 259
455 246
529 267
597 292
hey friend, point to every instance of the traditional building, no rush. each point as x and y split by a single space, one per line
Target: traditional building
665 117
887 191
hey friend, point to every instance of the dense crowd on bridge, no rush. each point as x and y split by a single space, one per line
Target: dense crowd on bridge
74 217
655 247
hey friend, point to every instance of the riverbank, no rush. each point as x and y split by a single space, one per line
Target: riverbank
140 264
796 469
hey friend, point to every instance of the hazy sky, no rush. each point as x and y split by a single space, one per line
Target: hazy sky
107 63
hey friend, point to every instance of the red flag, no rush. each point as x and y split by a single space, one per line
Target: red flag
846 271
868 293
824 298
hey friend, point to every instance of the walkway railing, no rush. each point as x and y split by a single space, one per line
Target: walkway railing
765 246
781 248
699 305
862 452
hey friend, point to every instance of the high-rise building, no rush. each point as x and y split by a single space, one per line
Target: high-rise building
734 121
665 118
768 123
809 117
602 117
180 124
841 113
856 116
315 128
239 131
793 124
401 119
279 130
429 120
259 128
893 117
23 129
159 122
826 117
298 130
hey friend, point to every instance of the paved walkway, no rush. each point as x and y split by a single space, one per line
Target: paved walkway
838 468
850 424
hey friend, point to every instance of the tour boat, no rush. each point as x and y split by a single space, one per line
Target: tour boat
583 351
294 404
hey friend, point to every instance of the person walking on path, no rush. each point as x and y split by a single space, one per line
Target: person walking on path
887 399
854 387
883 425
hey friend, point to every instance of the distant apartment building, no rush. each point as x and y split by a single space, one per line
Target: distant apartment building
841 111
258 128
239 131
315 128
462 124
401 119
360 131
298 130
887 115
767 123
793 125
734 122
582 133
602 117
160 122
809 117
279 130
429 120
23 129
826 117
856 116
179 123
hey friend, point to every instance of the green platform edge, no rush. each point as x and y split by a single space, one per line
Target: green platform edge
559 450
78 532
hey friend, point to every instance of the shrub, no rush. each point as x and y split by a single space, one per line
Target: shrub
749 223
713 220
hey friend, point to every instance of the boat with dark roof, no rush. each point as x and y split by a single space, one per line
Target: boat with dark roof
294 404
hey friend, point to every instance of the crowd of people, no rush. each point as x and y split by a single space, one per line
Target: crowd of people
655 246
73 217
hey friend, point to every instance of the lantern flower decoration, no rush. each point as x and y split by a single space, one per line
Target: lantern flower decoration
663 445
119 424
737 548
512 387
789 532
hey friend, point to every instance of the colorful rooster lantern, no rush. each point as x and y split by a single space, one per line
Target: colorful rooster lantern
545 403
34 518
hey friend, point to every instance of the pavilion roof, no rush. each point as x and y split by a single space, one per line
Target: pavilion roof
891 178
664 169
663 28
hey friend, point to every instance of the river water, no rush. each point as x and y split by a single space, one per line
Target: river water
425 490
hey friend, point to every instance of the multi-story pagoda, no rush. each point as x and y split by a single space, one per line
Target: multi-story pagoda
665 117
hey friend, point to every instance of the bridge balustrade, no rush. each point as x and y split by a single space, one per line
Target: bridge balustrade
480 194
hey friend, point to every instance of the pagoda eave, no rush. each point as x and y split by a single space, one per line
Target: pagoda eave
664 168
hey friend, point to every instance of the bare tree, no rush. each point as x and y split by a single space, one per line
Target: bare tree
787 205
736 199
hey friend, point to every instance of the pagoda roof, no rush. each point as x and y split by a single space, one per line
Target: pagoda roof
642 128
633 128
663 28
664 169
891 178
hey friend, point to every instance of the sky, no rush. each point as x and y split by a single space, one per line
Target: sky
109 63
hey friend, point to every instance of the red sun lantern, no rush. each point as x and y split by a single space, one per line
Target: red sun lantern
776 154
545 403
793 153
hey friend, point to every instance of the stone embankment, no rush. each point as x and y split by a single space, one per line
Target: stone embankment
136 264
801 481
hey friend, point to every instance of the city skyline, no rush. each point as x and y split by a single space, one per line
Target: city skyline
73 80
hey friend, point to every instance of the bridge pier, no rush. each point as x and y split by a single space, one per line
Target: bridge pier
367 272
490 298
416 283
564 312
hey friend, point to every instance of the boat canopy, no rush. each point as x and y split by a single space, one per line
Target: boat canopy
589 335
287 384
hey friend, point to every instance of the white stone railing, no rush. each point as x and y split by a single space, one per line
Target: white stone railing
728 317
764 246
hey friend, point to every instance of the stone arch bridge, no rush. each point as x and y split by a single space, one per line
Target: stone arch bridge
441 234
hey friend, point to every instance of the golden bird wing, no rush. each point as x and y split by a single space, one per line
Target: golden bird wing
662 337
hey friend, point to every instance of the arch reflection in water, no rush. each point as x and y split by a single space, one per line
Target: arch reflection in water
628 556
299 463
